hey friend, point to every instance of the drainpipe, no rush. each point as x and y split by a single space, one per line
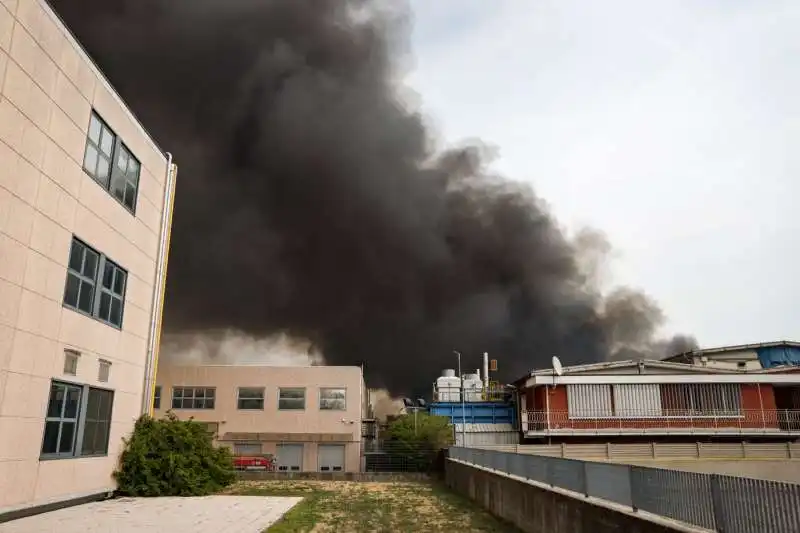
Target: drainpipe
159 288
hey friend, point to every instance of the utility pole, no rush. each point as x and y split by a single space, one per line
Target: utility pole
461 389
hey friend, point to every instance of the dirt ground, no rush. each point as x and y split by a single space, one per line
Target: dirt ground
350 506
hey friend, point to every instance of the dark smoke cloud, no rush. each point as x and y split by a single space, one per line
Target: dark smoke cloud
312 200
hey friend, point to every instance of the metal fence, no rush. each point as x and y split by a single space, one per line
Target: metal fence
667 420
723 503
402 456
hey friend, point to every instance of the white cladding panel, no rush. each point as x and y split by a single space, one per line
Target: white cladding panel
448 389
589 401
637 400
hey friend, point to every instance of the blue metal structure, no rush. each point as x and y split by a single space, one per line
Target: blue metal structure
476 412
780 355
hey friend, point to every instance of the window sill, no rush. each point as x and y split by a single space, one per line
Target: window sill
89 315
65 457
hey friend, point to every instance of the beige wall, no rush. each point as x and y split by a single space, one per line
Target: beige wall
729 360
227 380
48 88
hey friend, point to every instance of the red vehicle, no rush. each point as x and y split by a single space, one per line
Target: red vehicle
265 462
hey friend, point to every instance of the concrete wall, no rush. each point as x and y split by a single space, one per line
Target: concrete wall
536 509
48 89
293 426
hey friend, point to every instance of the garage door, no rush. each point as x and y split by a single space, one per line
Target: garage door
290 457
331 458
246 449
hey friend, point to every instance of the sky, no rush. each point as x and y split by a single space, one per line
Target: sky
667 125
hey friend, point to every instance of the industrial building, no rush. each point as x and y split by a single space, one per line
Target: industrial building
84 212
658 399
481 411
307 418
763 355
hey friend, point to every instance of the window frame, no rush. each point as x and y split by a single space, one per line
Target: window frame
305 398
320 399
98 289
80 421
96 421
156 397
118 147
194 398
239 398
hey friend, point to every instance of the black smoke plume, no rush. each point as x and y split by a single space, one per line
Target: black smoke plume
313 201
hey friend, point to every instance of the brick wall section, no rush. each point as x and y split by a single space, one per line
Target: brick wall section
538 510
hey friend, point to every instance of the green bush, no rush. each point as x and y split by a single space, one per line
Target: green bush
170 457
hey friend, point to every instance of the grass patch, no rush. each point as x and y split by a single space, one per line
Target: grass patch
350 506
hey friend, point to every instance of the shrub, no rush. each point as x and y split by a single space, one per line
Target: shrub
415 443
171 457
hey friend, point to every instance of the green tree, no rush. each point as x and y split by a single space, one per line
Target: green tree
171 457
416 442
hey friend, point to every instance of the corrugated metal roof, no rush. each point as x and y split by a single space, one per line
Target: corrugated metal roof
630 363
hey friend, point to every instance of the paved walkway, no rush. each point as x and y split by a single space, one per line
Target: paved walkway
208 514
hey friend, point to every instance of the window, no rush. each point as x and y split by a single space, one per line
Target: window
85 271
290 399
77 413
702 399
250 398
112 293
103 371
332 399
71 362
589 401
125 178
81 276
157 397
193 397
102 147
99 150
61 424
97 423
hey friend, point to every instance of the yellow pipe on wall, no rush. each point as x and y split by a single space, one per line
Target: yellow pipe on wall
159 312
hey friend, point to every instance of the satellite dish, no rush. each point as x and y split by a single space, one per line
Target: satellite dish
557 368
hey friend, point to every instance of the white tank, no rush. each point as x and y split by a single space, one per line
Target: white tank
448 387
473 387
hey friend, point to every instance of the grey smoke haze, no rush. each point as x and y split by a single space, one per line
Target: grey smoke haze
312 201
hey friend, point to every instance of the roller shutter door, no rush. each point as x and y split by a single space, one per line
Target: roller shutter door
290 457
331 458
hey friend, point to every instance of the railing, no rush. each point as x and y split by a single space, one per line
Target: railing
775 420
722 503
611 451
402 456
495 393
